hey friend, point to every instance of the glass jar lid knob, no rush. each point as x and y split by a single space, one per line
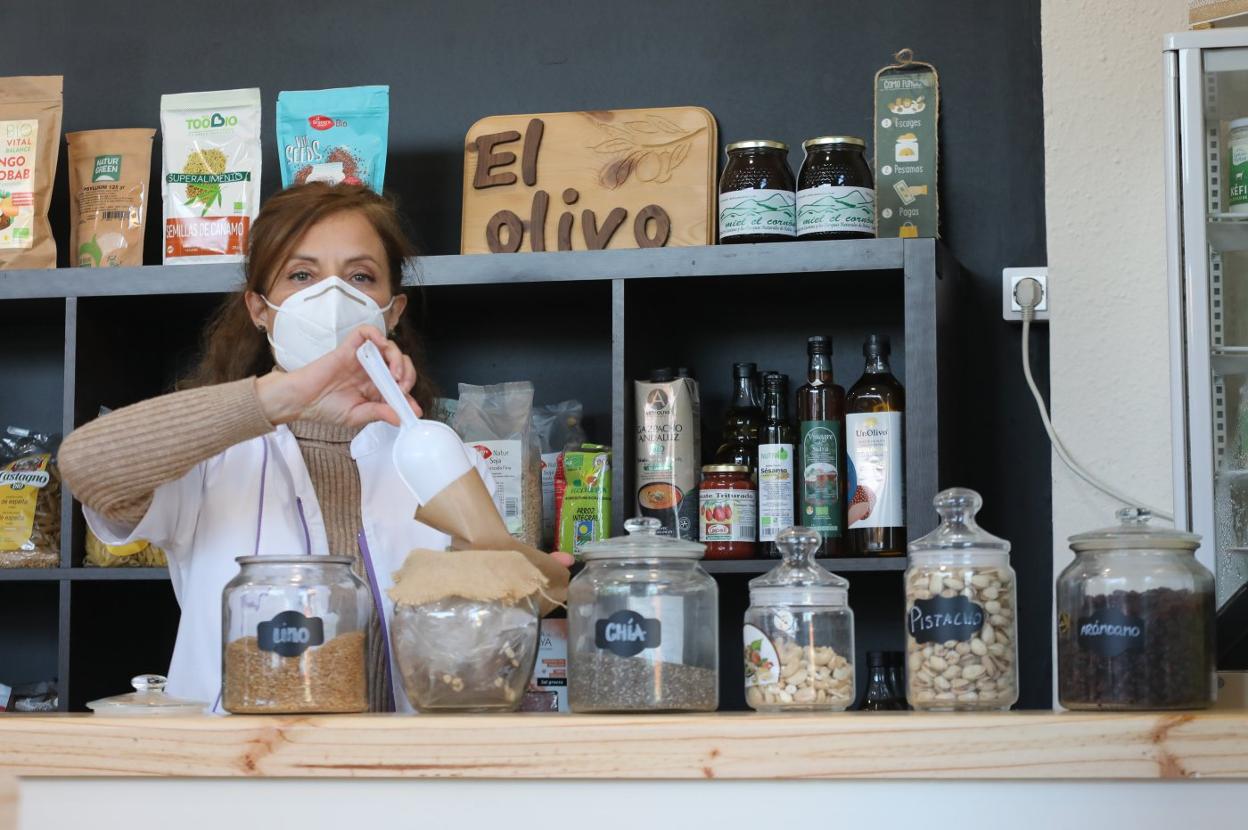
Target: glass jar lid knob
798 546
958 528
639 526
149 682
1135 517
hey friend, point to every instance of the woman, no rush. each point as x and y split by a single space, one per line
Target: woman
258 458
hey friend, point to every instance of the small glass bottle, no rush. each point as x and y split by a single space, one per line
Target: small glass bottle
777 465
821 431
897 677
880 696
757 194
799 633
876 451
741 421
729 511
961 639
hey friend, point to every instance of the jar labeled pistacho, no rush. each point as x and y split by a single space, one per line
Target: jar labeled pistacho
757 194
960 629
835 190
728 503
1135 620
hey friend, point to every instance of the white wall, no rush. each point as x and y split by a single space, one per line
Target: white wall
1105 214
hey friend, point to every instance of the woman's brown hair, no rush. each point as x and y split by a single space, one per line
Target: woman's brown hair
232 347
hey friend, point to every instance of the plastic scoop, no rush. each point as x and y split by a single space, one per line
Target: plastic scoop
427 454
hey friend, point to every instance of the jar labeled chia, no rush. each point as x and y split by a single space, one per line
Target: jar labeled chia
961 652
799 633
1135 620
757 194
643 626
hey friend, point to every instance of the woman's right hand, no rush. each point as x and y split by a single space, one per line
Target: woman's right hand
335 389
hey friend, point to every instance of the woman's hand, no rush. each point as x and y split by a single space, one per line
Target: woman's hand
335 389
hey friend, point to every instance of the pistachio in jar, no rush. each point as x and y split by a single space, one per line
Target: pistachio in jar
960 613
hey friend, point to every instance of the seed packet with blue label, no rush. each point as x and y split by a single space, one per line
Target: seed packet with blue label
334 135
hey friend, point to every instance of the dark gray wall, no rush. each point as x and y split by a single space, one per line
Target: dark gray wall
779 70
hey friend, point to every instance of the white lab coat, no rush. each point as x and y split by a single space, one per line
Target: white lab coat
212 514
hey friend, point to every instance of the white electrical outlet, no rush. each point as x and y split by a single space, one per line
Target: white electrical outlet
1010 278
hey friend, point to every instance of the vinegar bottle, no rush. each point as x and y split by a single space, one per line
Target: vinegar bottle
821 437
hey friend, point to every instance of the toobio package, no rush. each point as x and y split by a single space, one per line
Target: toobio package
30 135
334 135
582 497
108 196
211 174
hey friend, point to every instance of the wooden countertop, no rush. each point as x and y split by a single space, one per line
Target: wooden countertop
1007 745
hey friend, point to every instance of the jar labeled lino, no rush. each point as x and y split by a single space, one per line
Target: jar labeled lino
961 652
799 633
295 636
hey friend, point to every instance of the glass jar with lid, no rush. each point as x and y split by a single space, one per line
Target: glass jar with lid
294 636
643 626
728 504
149 699
961 648
757 193
835 190
1135 620
799 633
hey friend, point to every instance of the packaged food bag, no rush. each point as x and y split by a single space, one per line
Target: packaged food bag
583 496
497 421
557 426
108 196
210 173
334 135
30 136
30 501
137 554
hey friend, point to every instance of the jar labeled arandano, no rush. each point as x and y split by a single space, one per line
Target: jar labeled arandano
835 190
757 194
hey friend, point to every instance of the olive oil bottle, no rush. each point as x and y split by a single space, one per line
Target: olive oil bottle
821 436
742 421
875 445
777 463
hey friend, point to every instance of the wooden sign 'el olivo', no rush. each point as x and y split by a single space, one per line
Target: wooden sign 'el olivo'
590 180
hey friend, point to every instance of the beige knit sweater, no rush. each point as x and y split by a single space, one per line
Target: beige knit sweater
115 463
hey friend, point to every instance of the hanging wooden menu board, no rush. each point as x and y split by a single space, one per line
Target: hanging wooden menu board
907 106
563 181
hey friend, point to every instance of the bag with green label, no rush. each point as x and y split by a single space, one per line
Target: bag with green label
582 497
108 196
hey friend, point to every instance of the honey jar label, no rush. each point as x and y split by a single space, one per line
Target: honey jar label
829 208
290 634
941 619
748 212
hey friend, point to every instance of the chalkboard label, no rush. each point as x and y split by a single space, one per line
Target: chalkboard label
290 634
940 619
627 633
1111 633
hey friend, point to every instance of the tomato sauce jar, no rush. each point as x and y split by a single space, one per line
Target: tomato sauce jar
728 503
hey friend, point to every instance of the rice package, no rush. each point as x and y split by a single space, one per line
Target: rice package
211 174
334 135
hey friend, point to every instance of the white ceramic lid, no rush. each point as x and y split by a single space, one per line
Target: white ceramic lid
147 700
643 542
799 580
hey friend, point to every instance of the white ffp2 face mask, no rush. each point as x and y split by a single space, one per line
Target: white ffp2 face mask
314 320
